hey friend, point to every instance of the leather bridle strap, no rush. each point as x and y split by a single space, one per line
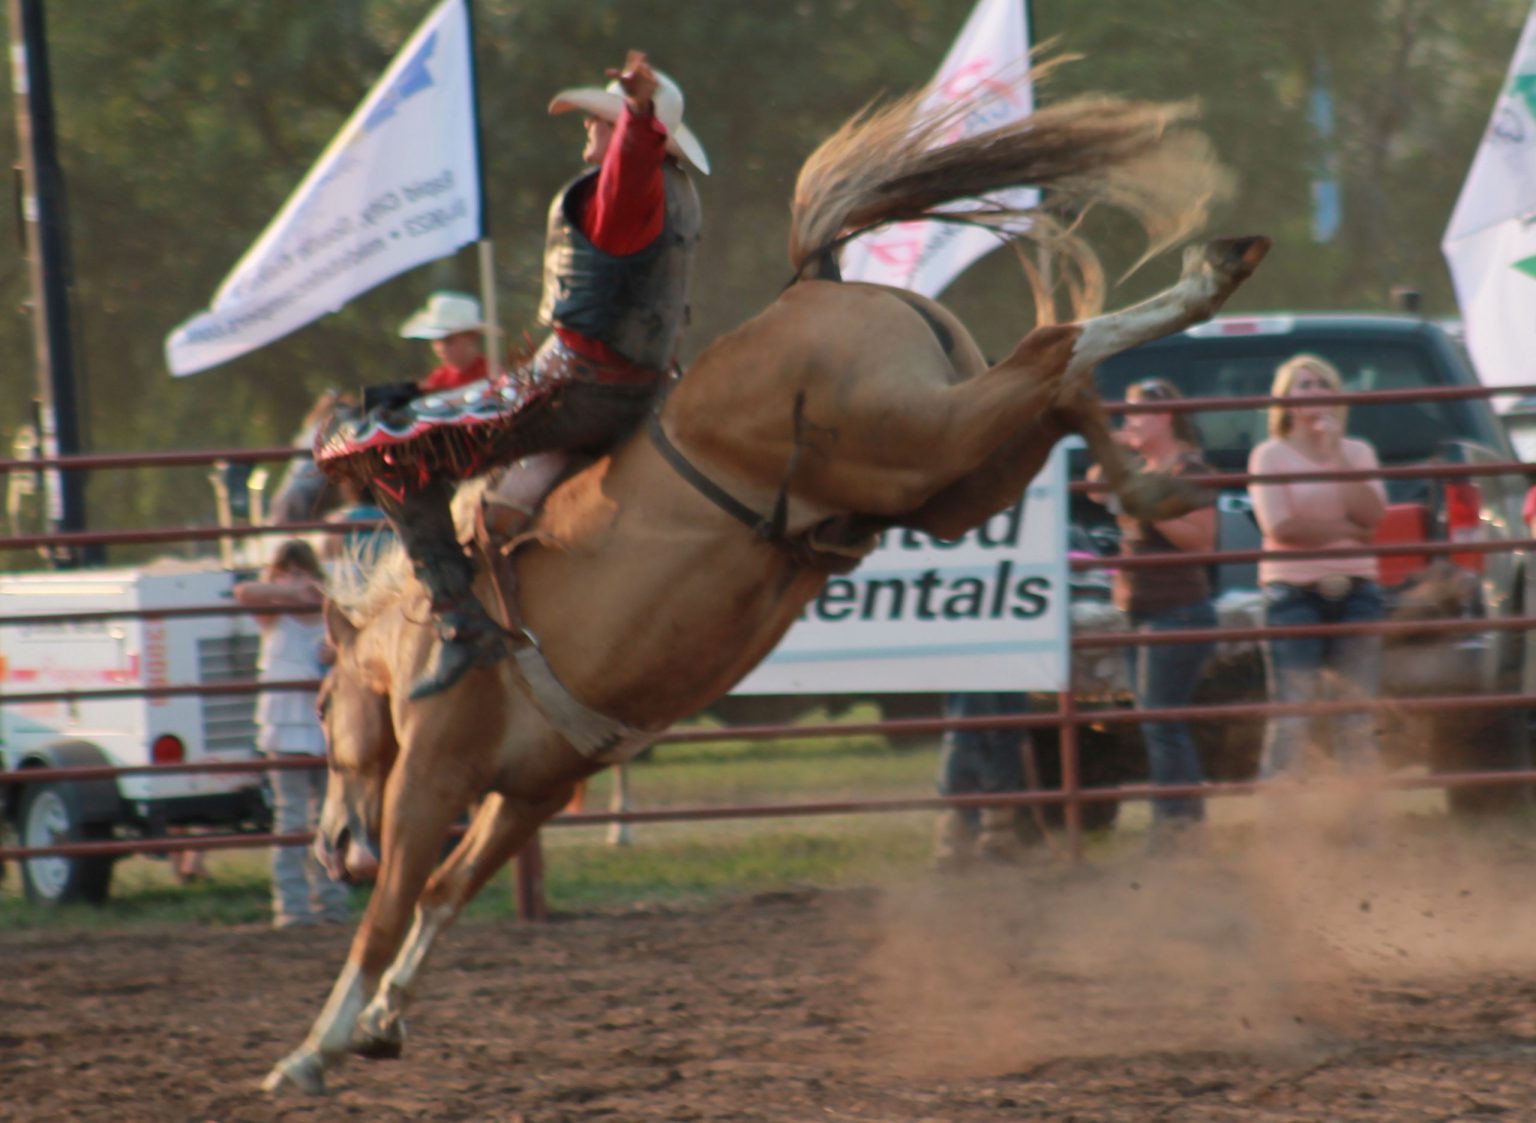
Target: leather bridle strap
770 529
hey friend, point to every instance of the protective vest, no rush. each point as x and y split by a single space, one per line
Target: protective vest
636 304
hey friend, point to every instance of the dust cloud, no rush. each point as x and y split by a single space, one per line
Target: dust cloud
1261 939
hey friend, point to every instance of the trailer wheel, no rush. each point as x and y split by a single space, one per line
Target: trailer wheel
50 816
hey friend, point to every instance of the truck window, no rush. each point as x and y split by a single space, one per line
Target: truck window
1227 367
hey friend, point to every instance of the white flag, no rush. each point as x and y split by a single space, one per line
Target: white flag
397 187
1490 243
992 52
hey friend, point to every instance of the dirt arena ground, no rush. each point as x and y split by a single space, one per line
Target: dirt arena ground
1391 981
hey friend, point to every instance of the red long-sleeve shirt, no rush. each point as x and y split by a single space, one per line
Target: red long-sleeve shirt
626 208
446 377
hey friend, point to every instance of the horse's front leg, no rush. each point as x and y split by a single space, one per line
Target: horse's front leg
418 810
500 829
304 1068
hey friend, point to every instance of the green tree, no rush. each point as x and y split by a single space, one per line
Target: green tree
184 124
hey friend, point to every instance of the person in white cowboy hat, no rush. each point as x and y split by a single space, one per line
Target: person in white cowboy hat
452 322
619 253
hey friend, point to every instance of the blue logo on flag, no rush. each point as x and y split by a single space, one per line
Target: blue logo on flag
414 77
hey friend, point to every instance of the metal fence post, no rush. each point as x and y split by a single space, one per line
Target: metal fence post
1071 774
531 905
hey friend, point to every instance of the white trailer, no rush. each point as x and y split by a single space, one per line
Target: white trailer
120 653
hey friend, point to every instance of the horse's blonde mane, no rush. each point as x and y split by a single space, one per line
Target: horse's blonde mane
895 163
362 592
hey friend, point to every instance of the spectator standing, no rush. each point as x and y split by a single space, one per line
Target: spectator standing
1166 598
976 761
293 647
188 867
1301 591
354 554
451 323
303 492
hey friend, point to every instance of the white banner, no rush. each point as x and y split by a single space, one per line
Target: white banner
1490 243
991 53
397 187
988 611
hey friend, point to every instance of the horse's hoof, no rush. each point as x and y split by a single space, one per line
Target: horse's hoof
1239 255
378 1039
378 1048
1156 496
299 1071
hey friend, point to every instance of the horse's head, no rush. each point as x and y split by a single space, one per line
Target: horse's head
360 751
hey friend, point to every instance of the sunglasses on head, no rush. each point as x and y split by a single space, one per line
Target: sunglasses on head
1153 389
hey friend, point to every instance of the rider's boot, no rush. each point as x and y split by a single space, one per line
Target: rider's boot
467 636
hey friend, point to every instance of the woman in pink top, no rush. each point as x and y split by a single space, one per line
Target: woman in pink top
1302 591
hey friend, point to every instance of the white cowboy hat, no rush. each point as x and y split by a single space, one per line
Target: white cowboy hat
667 104
444 314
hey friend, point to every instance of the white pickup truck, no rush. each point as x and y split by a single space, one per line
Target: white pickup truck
50 657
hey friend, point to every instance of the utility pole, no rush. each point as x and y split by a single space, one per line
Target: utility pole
47 241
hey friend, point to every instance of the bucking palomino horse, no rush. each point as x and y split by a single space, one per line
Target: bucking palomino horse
660 575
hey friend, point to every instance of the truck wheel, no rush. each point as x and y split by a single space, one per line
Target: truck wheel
1230 749
1489 741
1104 762
49 816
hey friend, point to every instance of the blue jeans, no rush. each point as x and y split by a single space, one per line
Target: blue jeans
974 761
1307 670
302 892
1165 677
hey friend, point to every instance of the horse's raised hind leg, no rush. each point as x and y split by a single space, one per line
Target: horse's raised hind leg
1056 362
414 826
498 831
974 498
998 483
1211 274
1143 494
1052 365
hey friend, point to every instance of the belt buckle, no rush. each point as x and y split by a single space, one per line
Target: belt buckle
1335 586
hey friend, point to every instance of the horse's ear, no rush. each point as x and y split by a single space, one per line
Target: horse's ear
339 628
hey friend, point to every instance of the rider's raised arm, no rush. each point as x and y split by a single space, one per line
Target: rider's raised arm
626 211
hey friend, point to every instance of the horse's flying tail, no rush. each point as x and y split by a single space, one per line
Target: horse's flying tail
895 163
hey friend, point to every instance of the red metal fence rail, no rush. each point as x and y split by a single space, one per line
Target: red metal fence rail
1068 719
